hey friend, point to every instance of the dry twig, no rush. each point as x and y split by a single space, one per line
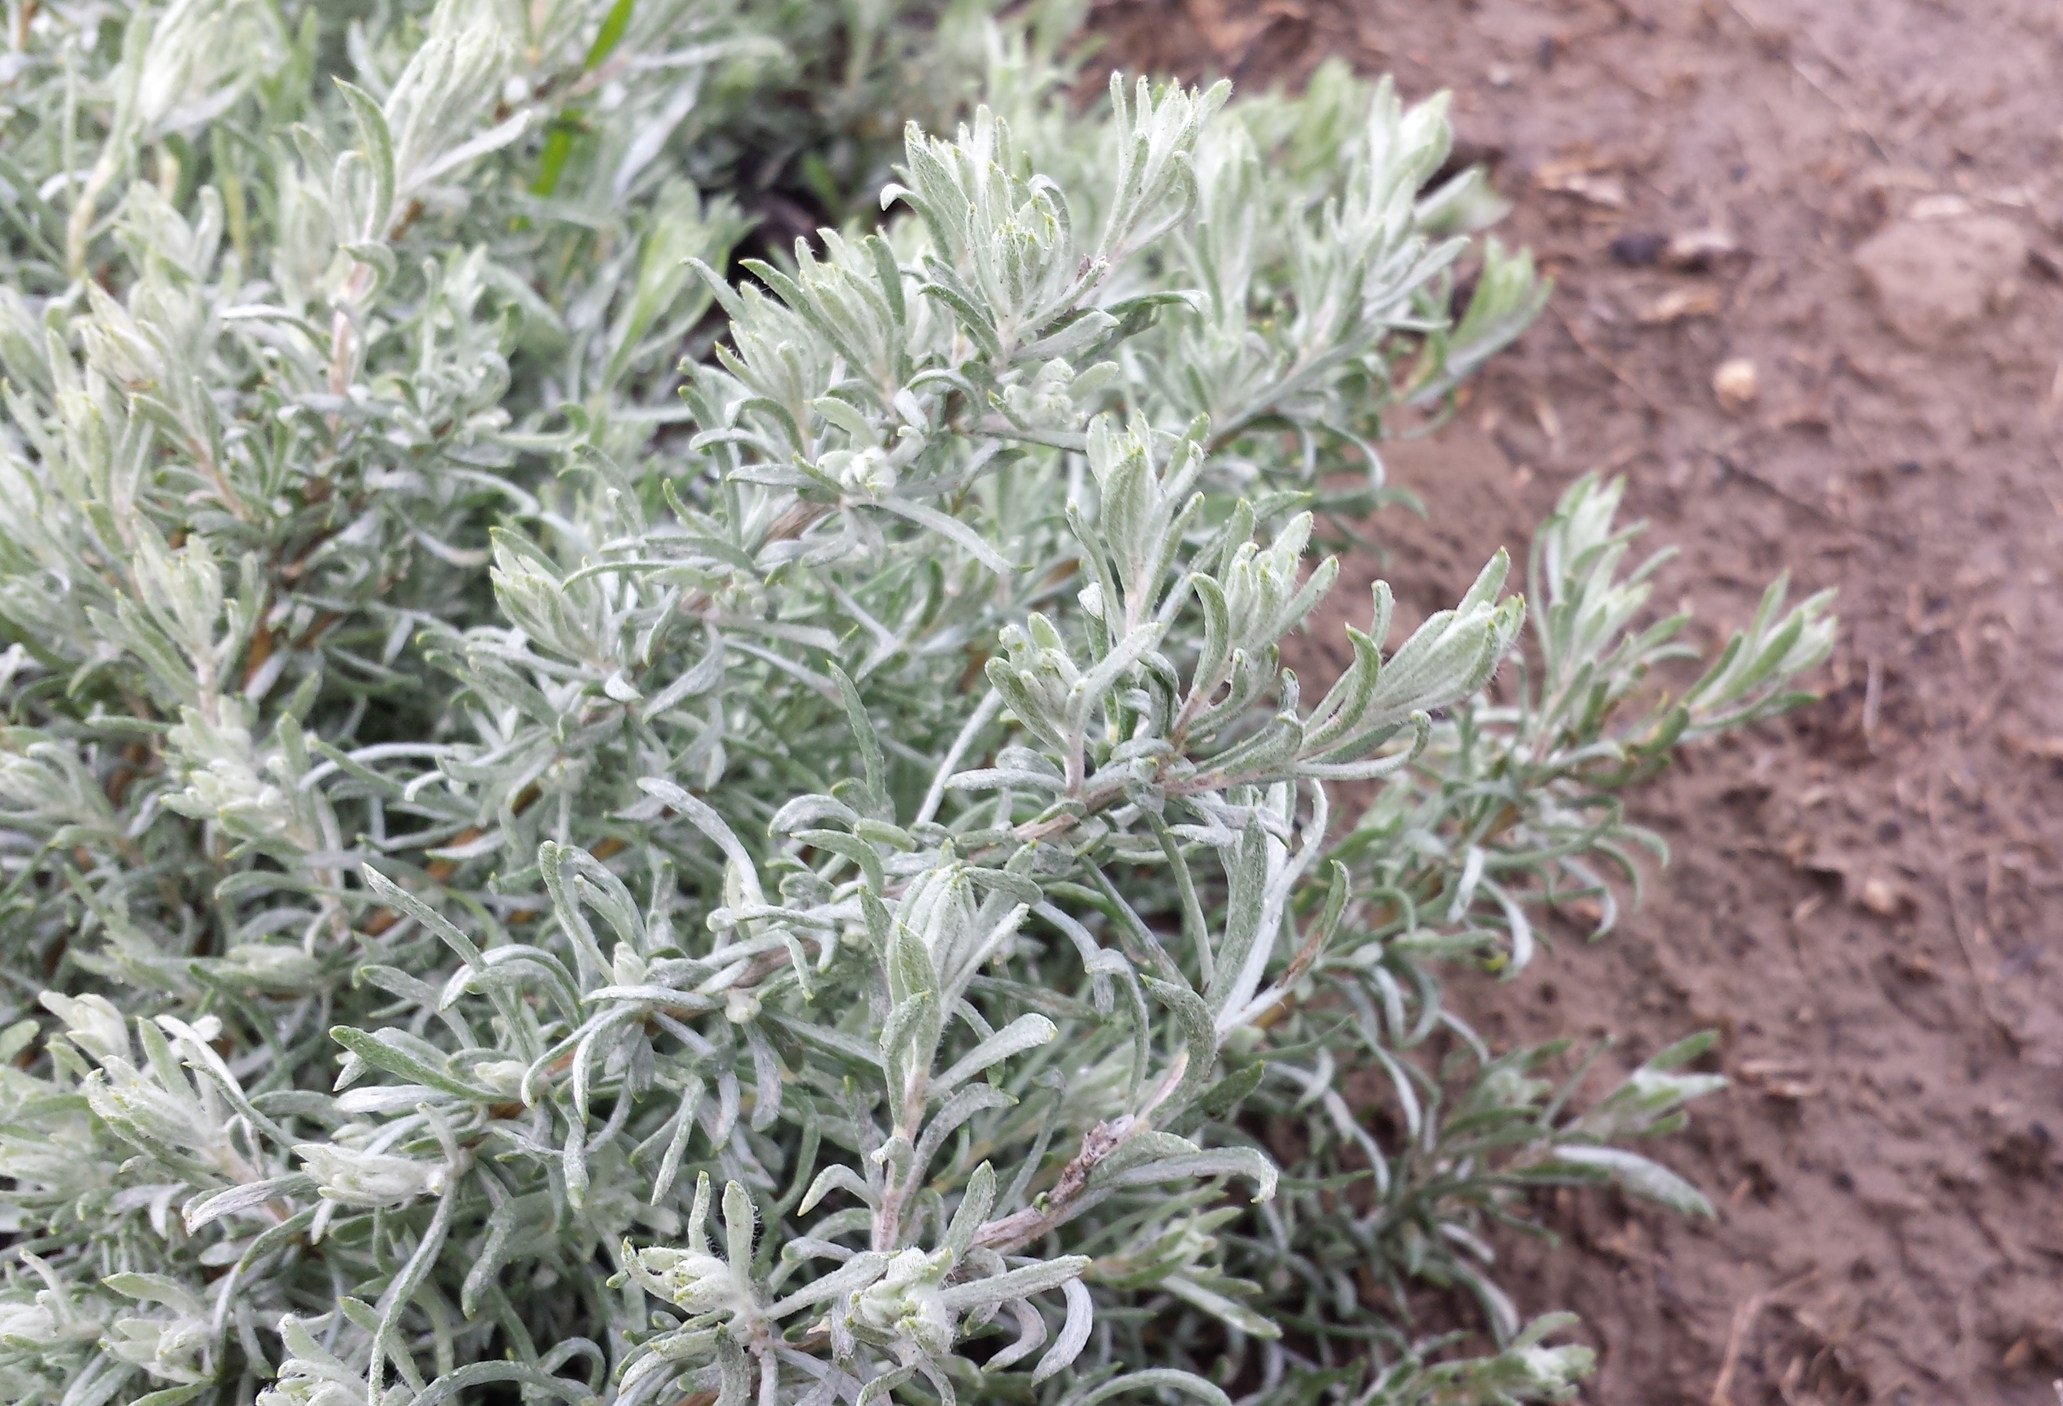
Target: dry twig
1744 1315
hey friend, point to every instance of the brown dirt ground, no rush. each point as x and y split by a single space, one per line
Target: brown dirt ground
1858 894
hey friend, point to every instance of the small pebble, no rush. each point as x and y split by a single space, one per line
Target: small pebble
1638 250
1735 383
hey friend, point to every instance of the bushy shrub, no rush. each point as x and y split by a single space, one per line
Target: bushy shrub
533 874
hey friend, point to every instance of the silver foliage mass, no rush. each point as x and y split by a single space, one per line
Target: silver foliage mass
588 817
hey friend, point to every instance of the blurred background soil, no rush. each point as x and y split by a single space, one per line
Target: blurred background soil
1854 207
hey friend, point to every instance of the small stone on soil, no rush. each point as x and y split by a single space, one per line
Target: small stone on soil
1735 383
1883 897
1637 250
1934 278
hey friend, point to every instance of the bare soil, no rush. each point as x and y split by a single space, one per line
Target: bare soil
1860 896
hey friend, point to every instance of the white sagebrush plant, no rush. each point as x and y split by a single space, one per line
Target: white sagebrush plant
522 884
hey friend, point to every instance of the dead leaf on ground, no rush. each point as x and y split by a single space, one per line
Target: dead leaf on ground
1809 413
1940 207
1698 248
1229 26
1628 1243
1778 1078
1917 966
1587 911
2046 749
1691 251
1585 178
1678 304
